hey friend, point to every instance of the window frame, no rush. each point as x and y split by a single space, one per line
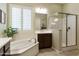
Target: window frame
22 17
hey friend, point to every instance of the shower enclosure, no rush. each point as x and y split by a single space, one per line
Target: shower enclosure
69 30
67 25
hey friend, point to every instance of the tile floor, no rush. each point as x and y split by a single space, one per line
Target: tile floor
50 52
74 52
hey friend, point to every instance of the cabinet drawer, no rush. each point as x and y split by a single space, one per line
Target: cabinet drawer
49 38
47 34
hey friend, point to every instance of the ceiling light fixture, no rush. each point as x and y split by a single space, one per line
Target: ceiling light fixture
41 10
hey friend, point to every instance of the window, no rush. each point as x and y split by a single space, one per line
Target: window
21 18
26 19
16 18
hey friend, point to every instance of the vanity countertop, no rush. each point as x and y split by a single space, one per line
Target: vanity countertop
3 41
44 31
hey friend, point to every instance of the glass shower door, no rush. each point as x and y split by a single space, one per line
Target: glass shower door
71 30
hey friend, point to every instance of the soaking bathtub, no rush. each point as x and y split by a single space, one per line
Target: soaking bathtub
23 47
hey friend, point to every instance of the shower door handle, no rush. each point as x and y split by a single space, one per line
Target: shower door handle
68 29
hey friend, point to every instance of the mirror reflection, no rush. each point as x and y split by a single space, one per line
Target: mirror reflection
41 21
2 17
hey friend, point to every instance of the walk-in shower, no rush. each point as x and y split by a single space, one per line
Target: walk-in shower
66 23
69 30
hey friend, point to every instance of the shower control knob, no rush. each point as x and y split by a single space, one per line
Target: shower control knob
68 27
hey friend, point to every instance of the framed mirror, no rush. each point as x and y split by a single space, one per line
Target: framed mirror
2 17
41 21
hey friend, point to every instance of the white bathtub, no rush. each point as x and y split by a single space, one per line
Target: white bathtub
24 45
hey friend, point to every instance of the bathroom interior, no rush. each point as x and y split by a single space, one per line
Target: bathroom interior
39 29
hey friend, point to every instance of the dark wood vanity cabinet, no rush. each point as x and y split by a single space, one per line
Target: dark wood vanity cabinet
1 52
45 40
5 50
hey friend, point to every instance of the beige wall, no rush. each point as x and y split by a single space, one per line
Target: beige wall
3 7
52 8
74 9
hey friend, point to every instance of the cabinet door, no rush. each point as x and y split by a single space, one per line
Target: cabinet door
7 53
7 46
41 41
45 40
7 49
48 40
1 52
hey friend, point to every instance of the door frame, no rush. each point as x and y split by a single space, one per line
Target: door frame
75 30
